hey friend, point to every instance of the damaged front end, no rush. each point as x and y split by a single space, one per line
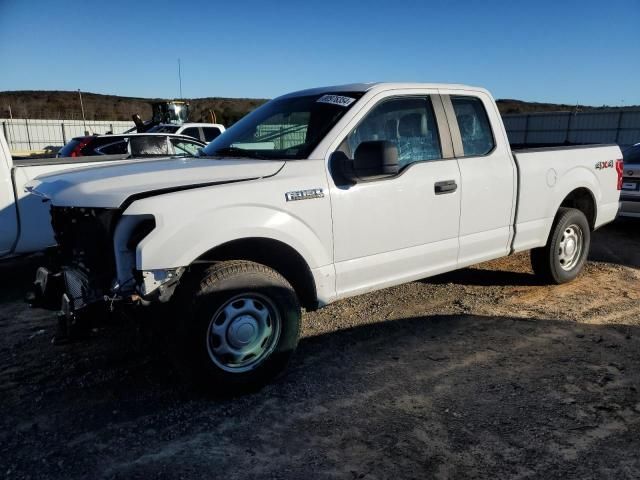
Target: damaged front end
96 256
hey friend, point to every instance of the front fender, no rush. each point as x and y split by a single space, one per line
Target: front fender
178 242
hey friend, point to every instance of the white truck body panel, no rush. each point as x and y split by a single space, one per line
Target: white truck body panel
546 182
488 192
383 231
199 219
109 187
8 209
356 239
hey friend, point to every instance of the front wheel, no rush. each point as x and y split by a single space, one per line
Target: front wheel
240 325
565 253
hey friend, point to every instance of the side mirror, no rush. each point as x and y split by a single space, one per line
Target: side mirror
372 160
375 158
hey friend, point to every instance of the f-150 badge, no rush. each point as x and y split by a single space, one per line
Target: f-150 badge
602 165
304 194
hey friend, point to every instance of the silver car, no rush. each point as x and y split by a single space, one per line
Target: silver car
630 195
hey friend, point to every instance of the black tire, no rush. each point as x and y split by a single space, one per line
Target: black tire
227 285
547 262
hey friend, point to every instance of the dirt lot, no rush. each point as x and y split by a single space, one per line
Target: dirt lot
481 373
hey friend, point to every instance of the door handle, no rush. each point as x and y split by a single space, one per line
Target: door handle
446 186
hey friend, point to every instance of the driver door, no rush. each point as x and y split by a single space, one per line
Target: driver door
403 227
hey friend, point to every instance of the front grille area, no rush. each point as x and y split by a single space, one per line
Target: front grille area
85 248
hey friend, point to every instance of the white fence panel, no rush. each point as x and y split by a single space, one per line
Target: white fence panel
26 134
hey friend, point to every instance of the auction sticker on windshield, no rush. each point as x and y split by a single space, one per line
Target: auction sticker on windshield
336 100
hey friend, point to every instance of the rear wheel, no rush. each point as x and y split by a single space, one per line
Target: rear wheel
565 253
240 325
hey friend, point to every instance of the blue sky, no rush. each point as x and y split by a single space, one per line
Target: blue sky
556 51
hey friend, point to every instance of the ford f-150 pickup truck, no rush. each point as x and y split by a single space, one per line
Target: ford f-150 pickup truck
316 196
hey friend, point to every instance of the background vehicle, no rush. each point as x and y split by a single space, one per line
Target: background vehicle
202 131
132 145
25 222
315 196
173 117
630 198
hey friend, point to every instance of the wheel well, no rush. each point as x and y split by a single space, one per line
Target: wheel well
274 254
582 199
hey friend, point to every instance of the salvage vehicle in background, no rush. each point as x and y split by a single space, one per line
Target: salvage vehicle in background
630 198
315 196
138 145
25 221
173 117
205 132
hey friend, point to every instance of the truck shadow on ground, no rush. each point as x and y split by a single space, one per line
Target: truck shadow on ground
617 243
480 277
409 395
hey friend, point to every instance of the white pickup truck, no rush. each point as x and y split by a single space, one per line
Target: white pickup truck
316 196
24 218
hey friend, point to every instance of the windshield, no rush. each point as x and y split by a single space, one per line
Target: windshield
289 128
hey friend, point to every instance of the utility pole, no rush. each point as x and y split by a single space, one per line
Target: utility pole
10 114
84 121
180 78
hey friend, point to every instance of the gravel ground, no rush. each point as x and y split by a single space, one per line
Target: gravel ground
480 373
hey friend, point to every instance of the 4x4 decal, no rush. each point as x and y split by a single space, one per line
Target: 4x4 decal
603 165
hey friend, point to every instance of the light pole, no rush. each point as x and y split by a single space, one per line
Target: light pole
180 78
84 121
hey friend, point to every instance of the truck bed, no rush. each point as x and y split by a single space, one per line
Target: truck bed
546 176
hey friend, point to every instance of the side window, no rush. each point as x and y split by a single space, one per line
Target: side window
184 147
149 145
473 122
210 133
407 122
192 132
116 148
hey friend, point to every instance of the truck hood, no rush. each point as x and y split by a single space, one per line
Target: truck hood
109 186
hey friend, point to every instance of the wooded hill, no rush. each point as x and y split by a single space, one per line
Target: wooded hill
54 104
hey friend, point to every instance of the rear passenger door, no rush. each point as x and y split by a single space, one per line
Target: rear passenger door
488 176
399 228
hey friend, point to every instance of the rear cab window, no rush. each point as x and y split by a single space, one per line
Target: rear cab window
473 123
